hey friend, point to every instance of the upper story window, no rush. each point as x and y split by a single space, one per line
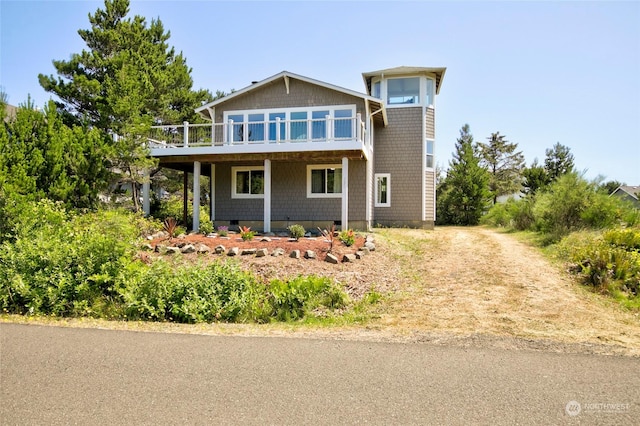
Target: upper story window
295 124
430 158
403 91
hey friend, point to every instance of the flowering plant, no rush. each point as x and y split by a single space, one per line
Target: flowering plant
246 233
223 231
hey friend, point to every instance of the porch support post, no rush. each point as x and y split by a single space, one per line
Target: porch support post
212 191
146 186
196 196
267 196
185 196
345 193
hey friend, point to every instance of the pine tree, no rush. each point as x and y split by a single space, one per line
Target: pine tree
535 178
504 164
558 161
127 80
464 193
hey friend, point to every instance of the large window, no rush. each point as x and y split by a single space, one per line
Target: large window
402 91
247 182
296 124
324 181
383 190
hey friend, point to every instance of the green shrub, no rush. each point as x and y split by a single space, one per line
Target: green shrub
348 237
206 227
293 299
296 231
610 262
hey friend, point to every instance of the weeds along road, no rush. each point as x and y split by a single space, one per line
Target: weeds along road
53 375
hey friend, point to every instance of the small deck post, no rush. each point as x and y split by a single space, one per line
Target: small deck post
267 196
196 196
345 193
186 134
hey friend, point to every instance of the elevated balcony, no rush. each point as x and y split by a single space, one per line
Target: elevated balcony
261 137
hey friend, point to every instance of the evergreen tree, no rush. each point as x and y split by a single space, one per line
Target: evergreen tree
558 161
535 178
127 80
504 164
463 195
40 156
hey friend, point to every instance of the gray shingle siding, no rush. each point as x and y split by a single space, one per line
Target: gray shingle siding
398 151
289 202
301 94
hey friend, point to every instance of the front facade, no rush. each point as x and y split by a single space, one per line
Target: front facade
290 149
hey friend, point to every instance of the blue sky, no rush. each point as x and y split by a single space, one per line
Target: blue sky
537 72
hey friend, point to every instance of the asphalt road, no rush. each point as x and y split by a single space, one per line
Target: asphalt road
52 375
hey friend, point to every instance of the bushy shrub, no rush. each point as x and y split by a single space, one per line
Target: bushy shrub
348 237
293 299
206 227
609 261
296 231
64 264
173 207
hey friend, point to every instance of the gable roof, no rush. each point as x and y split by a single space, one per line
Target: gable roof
376 104
405 70
629 190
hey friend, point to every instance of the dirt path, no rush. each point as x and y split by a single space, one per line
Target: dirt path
475 281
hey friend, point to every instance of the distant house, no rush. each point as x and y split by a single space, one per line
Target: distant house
291 149
628 193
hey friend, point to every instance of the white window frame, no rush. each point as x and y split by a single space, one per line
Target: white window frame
424 101
287 111
377 202
430 154
234 171
311 167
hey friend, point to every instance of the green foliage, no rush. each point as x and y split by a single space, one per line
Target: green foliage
296 231
223 231
348 237
206 227
64 264
558 161
535 178
609 261
246 233
462 197
217 292
301 296
169 226
127 79
40 157
173 207
504 164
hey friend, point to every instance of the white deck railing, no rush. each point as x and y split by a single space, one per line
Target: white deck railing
320 132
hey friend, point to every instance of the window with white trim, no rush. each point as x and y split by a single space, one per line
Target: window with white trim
383 190
401 91
296 124
430 157
324 181
247 182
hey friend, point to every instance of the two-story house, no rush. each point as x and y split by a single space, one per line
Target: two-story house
291 149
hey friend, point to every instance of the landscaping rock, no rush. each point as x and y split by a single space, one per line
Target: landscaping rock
310 254
248 251
370 239
265 239
360 254
202 248
181 244
147 247
233 251
370 246
220 249
262 252
277 252
188 248
331 259
172 250
364 250
295 254
348 258
160 248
